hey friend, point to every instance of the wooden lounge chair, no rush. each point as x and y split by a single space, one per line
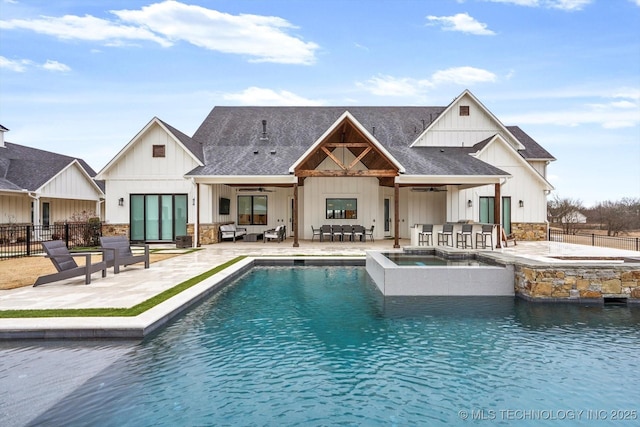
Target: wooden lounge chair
67 267
117 252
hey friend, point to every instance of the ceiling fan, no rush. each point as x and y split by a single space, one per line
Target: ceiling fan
256 189
428 189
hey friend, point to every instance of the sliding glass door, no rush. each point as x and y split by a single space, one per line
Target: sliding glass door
157 217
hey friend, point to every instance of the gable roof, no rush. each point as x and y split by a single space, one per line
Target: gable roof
451 106
187 143
234 144
26 168
532 150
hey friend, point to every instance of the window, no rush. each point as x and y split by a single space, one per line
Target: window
342 208
464 110
486 210
252 210
157 217
158 151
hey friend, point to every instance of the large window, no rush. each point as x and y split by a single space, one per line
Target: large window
252 210
157 217
342 208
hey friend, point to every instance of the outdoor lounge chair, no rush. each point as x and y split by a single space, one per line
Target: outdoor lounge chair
117 252
67 267
276 233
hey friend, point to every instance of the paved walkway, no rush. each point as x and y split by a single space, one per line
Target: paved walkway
135 284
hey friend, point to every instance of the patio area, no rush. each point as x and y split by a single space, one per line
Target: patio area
135 284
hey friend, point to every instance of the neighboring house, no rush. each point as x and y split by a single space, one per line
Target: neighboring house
40 187
391 167
574 217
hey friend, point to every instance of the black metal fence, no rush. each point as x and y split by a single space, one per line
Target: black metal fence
628 243
24 240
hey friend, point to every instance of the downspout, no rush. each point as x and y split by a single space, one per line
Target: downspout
36 214
196 228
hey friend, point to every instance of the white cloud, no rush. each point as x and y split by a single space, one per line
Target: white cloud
384 85
55 66
463 76
261 96
568 5
86 27
18 66
262 38
22 65
462 22
637 2
608 115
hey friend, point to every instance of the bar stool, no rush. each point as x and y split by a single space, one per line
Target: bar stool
481 236
464 238
426 235
443 236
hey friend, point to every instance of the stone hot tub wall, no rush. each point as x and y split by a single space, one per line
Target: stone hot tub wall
578 282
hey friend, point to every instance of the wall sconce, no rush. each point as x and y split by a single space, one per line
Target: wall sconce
121 201
521 204
469 203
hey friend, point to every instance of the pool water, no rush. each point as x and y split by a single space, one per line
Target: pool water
320 346
417 259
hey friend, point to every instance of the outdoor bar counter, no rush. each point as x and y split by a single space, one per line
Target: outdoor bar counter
457 228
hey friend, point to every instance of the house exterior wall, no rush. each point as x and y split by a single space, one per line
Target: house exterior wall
71 183
15 209
420 208
138 172
454 130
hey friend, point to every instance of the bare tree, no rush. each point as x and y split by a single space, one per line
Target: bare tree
566 212
619 216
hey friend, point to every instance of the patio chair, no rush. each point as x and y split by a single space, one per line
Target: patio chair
336 230
67 267
359 233
369 233
445 234
426 235
274 234
325 231
117 252
483 235
347 232
464 238
316 232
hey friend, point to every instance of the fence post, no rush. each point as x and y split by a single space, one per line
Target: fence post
66 234
593 239
28 240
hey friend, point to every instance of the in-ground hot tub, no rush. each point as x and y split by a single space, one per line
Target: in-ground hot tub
437 273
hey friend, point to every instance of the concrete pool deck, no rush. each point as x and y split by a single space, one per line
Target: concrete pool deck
135 284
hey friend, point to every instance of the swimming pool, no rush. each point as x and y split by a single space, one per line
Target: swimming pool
426 259
320 346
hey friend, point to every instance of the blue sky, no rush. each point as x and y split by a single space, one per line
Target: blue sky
83 77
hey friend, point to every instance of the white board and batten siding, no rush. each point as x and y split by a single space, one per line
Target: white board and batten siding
136 171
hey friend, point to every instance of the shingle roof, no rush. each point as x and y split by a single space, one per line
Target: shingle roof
29 168
231 136
532 150
187 141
